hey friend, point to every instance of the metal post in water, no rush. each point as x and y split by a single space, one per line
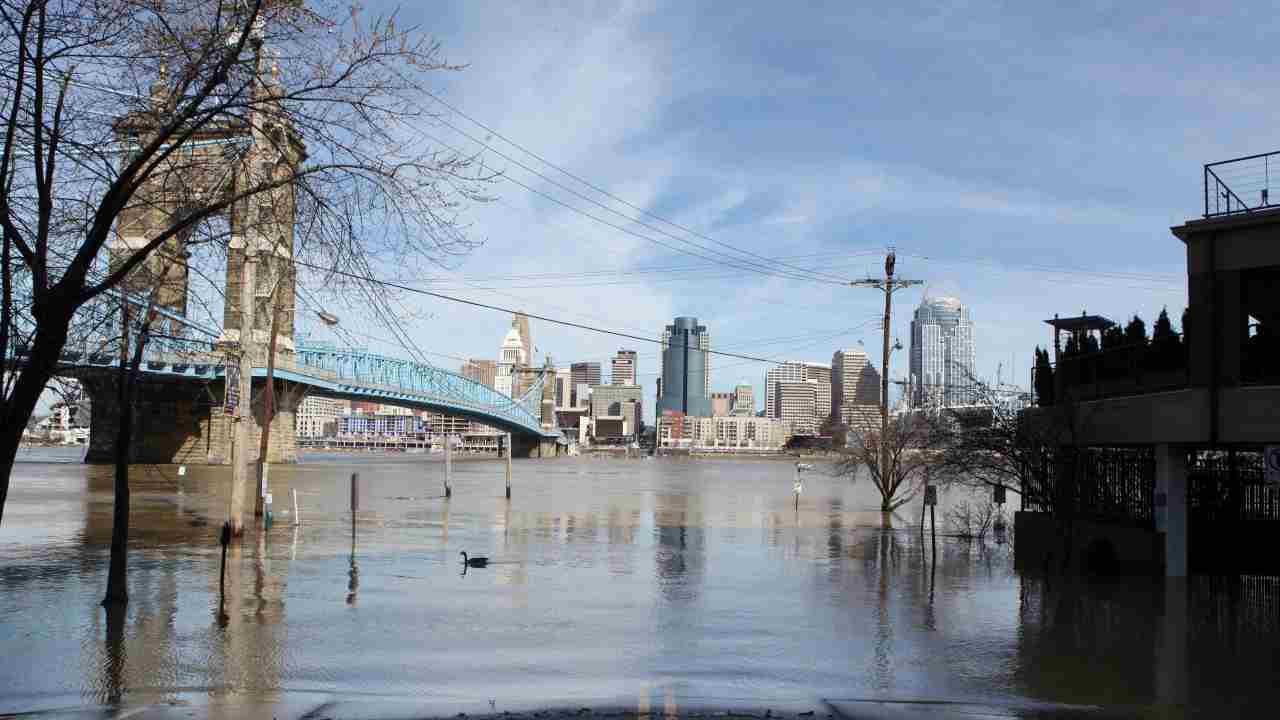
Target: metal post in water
296 520
508 442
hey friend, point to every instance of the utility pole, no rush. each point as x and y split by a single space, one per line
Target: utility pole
240 446
268 405
251 238
888 285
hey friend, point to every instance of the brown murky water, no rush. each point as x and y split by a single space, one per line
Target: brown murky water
615 582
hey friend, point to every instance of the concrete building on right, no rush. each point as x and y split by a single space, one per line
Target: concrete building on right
943 356
1164 453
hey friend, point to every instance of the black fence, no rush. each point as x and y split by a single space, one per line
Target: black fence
1226 485
1117 483
1039 484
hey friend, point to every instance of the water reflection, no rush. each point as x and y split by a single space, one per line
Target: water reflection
697 579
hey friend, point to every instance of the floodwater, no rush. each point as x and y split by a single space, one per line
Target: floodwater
663 583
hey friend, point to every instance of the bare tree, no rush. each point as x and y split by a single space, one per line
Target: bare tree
136 132
999 441
895 463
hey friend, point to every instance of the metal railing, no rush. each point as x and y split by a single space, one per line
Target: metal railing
1239 185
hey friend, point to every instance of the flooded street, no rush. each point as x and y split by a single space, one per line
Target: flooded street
620 583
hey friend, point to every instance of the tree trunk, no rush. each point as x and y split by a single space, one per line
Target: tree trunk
45 350
118 571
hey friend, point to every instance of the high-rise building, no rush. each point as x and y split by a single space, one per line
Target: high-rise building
721 404
624 368
798 371
744 400
797 402
686 368
563 388
855 389
584 373
942 354
484 372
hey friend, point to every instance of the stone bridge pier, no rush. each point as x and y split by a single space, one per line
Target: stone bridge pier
177 421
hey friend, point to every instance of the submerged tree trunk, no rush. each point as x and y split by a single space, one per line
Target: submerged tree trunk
35 374
118 572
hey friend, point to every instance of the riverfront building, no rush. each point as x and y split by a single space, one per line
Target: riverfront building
721 433
686 369
317 416
942 354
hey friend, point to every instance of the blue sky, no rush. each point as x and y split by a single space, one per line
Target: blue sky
993 145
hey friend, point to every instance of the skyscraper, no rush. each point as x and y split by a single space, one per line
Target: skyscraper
624 368
798 371
686 369
942 354
855 389
584 373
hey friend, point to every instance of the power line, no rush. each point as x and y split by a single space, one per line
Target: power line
486 306
593 186
731 262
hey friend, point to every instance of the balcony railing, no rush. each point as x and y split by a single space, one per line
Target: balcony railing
1239 185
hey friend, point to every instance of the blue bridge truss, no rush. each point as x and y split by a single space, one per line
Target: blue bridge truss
183 350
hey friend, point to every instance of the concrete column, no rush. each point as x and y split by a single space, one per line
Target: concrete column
1171 507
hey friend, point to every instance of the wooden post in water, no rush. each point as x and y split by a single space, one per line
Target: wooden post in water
507 440
224 538
355 505
933 533
448 466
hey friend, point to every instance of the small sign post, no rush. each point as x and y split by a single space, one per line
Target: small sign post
931 500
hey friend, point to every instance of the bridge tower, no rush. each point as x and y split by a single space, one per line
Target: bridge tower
182 423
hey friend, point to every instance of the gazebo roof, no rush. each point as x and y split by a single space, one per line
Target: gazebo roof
1080 322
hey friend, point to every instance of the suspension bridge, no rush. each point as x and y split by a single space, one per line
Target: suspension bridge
181 405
